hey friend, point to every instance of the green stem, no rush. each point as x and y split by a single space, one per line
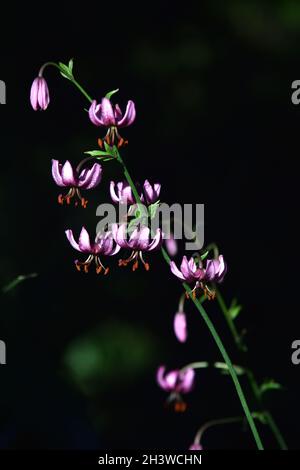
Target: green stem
230 367
72 80
81 89
201 310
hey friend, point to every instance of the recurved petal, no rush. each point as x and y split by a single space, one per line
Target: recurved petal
71 239
222 269
95 114
157 240
129 115
185 268
67 175
107 113
210 270
113 194
166 382
176 271
91 178
157 188
120 235
187 378
56 173
84 241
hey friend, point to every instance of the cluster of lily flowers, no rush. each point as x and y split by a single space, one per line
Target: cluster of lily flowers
192 271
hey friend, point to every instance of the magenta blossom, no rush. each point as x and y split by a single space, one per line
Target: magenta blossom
180 327
190 272
103 245
176 382
66 177
139 241
105 115
39 94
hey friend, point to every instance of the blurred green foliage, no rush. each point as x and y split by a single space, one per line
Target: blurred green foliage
115 352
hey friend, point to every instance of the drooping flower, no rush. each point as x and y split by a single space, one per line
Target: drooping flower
180 327
190 271
123 195
111 117
176 382
39 94
139 241
103 245
66 177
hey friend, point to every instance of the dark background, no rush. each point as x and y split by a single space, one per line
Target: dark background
215 125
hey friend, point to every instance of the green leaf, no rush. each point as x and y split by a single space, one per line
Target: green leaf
108 149
66 70
110 93
71 63
97 153
234 309
152 209
269 384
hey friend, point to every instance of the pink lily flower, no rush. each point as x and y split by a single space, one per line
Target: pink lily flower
139 241
176 382
103 245
65 176
190 271
105 115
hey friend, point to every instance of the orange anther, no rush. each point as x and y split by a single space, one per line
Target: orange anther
100 143
106 271
180 406
135 266
86 268
98 269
